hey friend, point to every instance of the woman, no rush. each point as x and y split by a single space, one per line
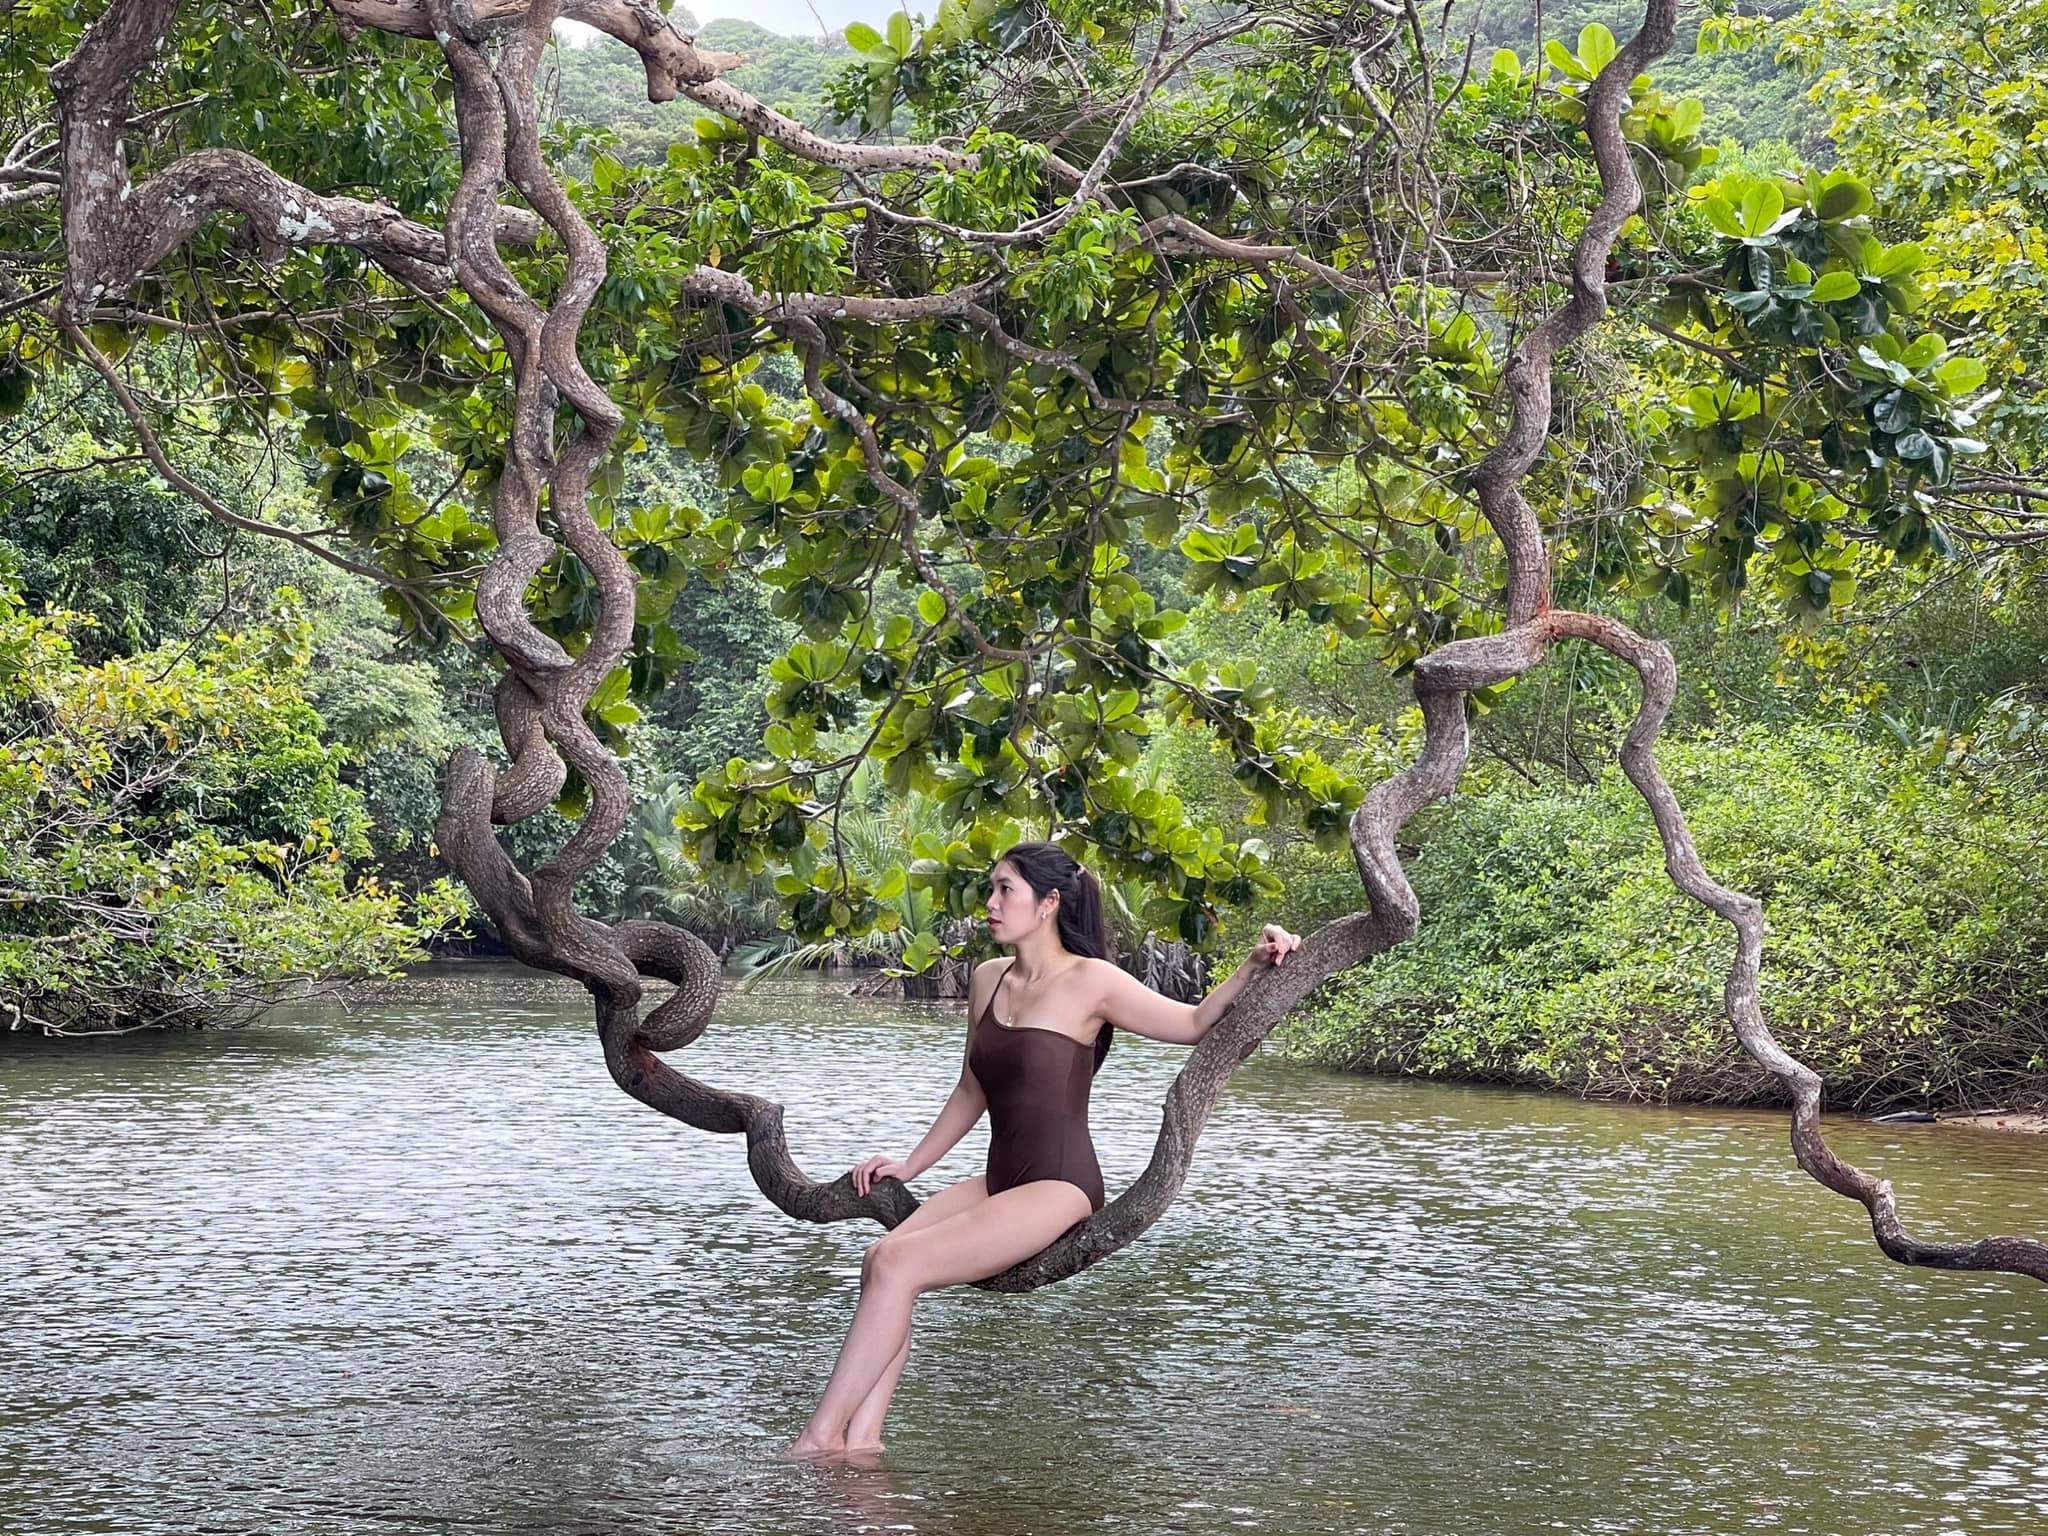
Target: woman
1038 1028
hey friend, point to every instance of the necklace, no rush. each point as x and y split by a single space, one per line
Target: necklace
1011 1023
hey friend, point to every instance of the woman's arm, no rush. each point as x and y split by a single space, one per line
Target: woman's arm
964 1106
1129 1004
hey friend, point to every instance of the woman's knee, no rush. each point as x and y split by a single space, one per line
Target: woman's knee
886 1264
876 1260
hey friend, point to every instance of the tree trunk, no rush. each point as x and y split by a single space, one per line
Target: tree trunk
116 231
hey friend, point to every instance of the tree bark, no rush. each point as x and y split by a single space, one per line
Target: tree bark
115 231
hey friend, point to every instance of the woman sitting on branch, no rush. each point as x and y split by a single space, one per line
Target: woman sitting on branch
1038 1030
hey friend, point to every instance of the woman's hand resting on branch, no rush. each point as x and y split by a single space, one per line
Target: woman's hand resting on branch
1274 946
865 1174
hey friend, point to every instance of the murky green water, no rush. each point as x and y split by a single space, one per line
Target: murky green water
426 1269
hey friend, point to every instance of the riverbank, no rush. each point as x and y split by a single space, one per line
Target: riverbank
1905 958
502 982
2001 1120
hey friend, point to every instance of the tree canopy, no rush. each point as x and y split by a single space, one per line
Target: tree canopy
1436 347
175 831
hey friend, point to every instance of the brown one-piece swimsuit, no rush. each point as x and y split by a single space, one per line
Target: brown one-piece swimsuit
1036 1081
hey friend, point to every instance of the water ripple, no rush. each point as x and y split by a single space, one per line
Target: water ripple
425 1269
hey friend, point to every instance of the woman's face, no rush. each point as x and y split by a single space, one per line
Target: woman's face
1013 907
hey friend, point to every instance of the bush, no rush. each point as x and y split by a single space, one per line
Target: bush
174 839
123 549
1903 958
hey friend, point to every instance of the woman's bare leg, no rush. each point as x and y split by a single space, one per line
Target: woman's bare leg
864 1429
981 1241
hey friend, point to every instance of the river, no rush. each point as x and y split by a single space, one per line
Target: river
420 1266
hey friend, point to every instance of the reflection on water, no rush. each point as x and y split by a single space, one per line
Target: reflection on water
425 1268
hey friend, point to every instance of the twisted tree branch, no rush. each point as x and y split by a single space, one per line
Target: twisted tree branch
114 231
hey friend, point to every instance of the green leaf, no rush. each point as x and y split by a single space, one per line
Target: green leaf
931 607
1761 205
1722 215
1832 287
1895 411
1561 57
899 33
1596 47
1842 197
861 37
920 952
1922 350
1961 375
112 340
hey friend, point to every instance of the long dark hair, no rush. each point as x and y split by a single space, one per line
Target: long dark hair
1083 925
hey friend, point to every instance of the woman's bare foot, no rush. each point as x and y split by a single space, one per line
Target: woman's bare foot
866 1448
803 1448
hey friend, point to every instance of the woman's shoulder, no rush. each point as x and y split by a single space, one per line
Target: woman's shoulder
982 979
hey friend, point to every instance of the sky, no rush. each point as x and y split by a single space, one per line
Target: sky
793 18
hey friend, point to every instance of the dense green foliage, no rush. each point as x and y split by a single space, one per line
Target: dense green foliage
1940 105
177 837
1786 418
1909 949
1769 449
120 549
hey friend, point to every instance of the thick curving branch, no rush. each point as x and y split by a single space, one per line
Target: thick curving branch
540 706
542 921
717 284
1497 482
1394 911
1444 677
675 65
1442 680
117 230
542 700
1745 914
493 49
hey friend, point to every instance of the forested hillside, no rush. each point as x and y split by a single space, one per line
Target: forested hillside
1805 449
602 85
1751 96
1754 99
